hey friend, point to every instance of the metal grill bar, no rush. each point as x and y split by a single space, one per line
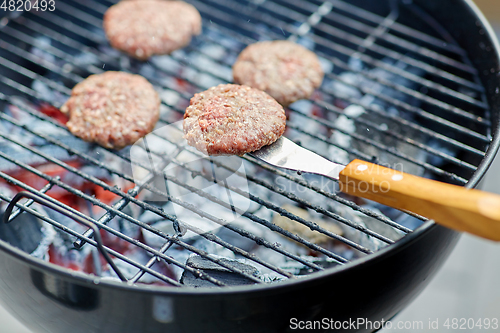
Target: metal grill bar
354 135
297 180
153 261
40 61
21 70
246 214
249 256
81 27
292 196
408 108
29 202
409 32
452 177
212 11
366 29
90 241
73 43
268 204
102 226
144 205
84 17
333 109
61 209
158 254
427 166
399 42
53 50
361 138
467 114
355 40
407 75
422 97
108 216
404 44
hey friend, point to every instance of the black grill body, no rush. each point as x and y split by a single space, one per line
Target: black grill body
52 299
48 299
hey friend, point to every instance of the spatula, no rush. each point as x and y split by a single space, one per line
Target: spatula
452 206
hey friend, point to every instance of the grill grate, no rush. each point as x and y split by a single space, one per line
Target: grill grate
440 109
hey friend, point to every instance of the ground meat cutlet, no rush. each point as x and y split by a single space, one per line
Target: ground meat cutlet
113 109
232 120
285 70
146 28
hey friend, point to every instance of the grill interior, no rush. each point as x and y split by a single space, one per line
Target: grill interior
397 91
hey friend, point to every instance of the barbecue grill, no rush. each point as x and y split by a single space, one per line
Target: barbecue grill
407 83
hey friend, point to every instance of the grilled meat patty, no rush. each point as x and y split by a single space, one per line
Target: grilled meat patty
145 28
113 109
285 70
232 119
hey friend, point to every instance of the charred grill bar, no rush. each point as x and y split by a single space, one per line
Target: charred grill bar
445 96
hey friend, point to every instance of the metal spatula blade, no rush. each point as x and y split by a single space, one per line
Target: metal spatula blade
453 206
284 153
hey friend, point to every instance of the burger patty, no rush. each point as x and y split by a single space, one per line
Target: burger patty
285 70
232 120
145 28
113 109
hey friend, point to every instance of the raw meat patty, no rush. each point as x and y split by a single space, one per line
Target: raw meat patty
148 27
285 70
232 120
113 109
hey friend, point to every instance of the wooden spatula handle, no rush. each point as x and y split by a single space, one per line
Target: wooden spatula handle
453 206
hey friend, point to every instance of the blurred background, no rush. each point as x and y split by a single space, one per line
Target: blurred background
467 286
